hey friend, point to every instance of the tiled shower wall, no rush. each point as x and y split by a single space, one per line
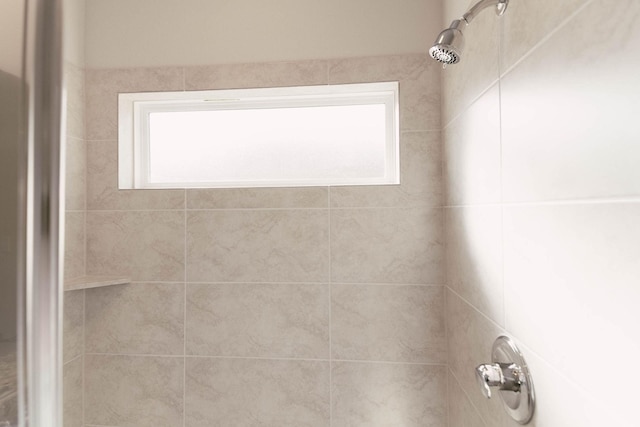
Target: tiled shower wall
282 307
541 148
75 205
74 256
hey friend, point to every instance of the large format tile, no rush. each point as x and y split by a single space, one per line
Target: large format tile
73 325
419 79
560 402
569 110
472 168
258 246
136 318
102 184
254 392
257 198
420 178
388 395
527 22
144 246
74 244
257 75
387 245
478 68
474 257
72 391
471 338
103 86
571 290
461 411
258 320
395 323
133 391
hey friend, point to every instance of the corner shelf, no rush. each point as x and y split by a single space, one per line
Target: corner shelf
88 282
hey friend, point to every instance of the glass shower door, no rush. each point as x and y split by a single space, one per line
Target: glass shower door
30 206
12 132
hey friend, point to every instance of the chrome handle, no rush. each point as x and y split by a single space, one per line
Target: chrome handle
504 376
509 375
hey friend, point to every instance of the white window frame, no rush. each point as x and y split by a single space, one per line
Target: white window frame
133 126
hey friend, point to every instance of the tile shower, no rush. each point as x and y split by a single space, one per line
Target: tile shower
316 306
283 307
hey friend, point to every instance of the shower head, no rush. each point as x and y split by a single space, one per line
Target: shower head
448 46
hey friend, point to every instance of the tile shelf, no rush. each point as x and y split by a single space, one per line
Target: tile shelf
88 282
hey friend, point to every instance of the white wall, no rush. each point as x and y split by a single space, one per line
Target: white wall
126 33
543 208
74 31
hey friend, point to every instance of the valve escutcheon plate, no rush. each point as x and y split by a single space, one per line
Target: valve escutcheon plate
519 405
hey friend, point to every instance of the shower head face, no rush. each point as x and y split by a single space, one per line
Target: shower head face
448 46
444 54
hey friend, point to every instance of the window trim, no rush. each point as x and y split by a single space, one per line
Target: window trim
134 110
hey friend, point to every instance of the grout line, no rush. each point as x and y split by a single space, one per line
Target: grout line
85 242
444 195
557 202
438 130
84 352
522 58
389 362
184 320
525 348
204 210
102 140
445 312
466 395
502 328
576 201
501 175
269 358
150 282
560 374
73 359
426 285
475 99
330 312
327 64
447 397
76 138
284 209
546 37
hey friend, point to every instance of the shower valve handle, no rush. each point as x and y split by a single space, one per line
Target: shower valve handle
504 376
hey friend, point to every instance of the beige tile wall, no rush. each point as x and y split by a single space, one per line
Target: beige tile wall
75 237
275 307
542 208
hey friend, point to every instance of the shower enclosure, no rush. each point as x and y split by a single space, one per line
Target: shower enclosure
31 193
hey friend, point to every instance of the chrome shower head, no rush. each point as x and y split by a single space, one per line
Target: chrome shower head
448 46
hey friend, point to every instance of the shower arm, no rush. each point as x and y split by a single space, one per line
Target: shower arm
501 6
449 43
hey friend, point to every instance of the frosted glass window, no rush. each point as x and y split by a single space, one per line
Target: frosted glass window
302 136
